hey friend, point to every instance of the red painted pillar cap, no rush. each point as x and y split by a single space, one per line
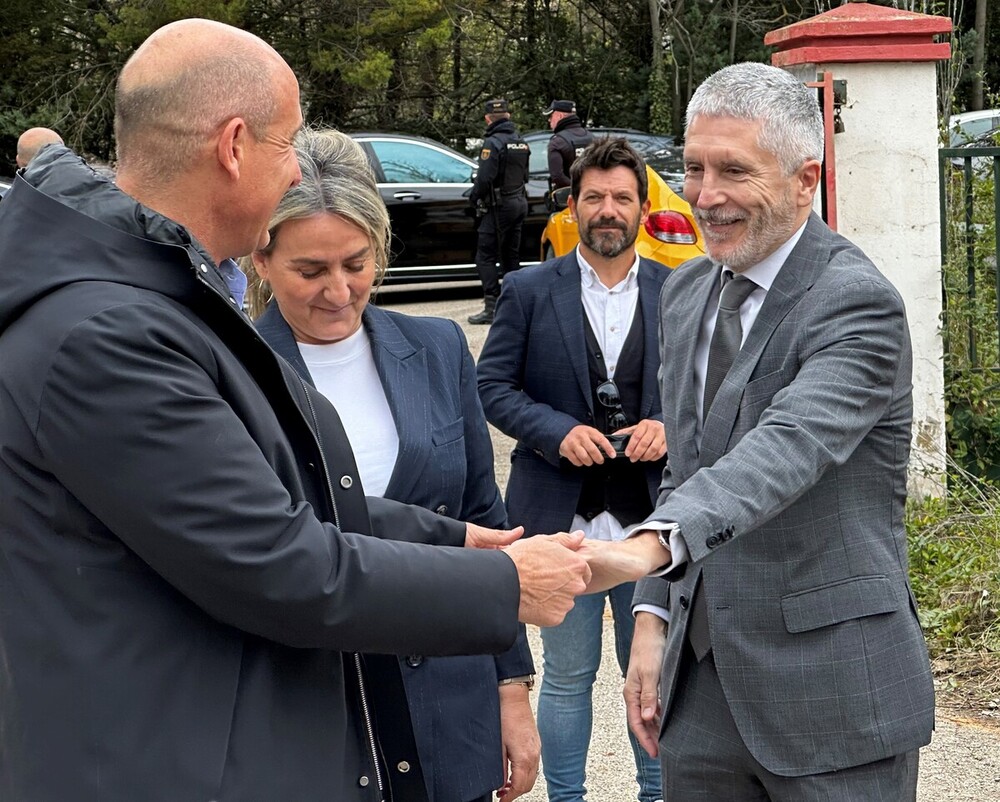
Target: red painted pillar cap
858 32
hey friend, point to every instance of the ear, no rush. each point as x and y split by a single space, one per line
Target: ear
645 210
571 205
260 259
231 148
808 182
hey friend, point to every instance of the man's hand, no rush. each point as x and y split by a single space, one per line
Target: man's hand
585 445
522 747
551 574
648 442
479 537
612 563
642 683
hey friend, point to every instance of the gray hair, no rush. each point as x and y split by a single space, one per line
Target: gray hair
790 117
337 178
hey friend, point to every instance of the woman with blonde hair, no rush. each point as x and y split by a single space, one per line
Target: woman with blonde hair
405 388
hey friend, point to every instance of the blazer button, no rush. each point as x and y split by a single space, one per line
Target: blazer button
403 767
683 602
442 510
363 781
712 542
346 482
414 660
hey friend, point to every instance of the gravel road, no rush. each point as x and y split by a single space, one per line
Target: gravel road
962 763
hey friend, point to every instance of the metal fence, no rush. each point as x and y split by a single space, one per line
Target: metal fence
970 234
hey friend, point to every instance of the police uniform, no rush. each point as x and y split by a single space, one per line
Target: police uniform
569 138
498 193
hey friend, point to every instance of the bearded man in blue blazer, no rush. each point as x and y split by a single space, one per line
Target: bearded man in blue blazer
569 370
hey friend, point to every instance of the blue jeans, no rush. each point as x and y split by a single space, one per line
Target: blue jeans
571 655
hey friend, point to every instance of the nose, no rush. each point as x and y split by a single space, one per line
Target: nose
704 190
608 207
335 289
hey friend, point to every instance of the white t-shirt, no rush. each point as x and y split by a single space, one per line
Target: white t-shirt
345 373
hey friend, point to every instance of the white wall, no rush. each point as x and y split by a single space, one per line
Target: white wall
887 203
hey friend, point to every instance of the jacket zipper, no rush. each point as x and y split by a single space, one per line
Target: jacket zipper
365 710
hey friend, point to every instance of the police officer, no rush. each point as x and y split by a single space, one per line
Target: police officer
569 138
500 201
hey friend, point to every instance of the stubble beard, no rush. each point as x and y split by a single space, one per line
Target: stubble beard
765 230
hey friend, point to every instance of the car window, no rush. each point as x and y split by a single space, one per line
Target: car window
970 129
415 163
538 159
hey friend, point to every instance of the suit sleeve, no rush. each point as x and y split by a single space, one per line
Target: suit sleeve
501 380
394 520
481 502
136 429
853 346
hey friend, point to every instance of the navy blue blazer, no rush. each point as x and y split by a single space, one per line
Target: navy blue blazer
445 463
535 384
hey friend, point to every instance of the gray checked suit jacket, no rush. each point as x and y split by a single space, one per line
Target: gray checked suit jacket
792 511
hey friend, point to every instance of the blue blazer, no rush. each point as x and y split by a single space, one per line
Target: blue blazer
445 464
535 384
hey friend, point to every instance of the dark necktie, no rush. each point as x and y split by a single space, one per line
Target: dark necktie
728 334
726 341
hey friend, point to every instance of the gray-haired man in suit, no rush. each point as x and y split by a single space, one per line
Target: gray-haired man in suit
793 668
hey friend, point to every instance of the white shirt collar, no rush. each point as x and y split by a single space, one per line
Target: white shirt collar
590 279
766 271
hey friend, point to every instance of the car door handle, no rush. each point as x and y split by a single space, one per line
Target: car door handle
406 196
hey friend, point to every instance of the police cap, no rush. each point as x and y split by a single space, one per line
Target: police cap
561 105
496 106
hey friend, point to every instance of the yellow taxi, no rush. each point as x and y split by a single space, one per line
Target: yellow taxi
669 235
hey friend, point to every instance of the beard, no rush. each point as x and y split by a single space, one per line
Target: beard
765 230
609 244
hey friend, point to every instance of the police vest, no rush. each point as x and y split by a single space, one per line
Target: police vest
514 154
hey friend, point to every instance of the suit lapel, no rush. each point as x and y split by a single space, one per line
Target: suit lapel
275 330
402 369
796 276
567 304
681 326
649 299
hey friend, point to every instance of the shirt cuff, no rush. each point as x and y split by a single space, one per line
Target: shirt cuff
678 548
661 612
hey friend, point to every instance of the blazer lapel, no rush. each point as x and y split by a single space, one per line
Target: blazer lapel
793 280
276 331
649 299
402 369
566 301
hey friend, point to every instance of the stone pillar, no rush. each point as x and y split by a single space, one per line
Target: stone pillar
886 175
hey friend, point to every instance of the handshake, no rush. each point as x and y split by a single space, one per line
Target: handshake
554 569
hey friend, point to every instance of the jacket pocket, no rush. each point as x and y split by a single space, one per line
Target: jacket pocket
448 433
837 602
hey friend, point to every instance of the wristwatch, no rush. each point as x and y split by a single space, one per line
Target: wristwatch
528 680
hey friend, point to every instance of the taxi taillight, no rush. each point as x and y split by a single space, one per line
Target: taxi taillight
672 227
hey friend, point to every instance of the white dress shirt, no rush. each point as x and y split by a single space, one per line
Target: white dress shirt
610 311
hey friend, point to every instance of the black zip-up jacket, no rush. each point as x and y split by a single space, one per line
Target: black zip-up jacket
184 568
568 140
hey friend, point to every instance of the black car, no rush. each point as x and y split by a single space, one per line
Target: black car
659 150
426 186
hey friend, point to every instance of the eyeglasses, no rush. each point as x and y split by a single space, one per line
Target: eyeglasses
608 396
